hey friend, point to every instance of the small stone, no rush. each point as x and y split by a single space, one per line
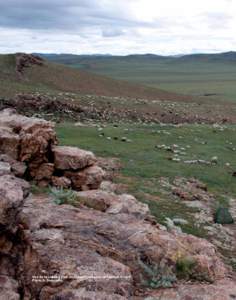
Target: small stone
214 159
179 221
5 168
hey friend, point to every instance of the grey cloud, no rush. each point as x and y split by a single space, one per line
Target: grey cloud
62 14
112 32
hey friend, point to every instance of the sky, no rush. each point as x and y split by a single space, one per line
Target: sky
118 27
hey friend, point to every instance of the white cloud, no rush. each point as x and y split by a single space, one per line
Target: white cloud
118 27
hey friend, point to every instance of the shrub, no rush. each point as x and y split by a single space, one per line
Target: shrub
223 216
35 189
158 275
185 267
63 196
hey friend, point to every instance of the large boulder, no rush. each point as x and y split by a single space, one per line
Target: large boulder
60 243
87 179
29 139
72 158
93 248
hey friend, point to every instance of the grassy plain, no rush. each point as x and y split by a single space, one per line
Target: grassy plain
144 164
188 77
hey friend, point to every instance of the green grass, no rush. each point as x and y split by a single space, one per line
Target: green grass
143 164
189 77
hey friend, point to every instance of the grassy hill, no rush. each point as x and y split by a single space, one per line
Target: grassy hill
210 75
53 77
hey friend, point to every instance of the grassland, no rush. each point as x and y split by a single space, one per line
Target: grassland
144 164
54 78
189 76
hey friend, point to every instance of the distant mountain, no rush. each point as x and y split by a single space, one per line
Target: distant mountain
218 57
73 58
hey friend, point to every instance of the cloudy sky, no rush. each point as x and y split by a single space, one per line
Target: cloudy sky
117 26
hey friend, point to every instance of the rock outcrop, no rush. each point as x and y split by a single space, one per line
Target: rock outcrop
39 105
95 249
24 60
30 146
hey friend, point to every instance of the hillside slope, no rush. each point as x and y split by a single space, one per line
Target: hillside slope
49 77
197 74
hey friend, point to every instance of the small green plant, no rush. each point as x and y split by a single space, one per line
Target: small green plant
35 189
62 196
158 275
185 267
223 216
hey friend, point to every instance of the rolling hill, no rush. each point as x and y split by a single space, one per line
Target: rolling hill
195 74
45 76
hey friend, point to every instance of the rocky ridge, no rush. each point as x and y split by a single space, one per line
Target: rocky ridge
24 60
96 248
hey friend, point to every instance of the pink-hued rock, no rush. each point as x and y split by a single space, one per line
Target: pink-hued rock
113 204
61 182
80 241
191 190
72 158
110 165
33 136
18 168
8 288
60 242
45 171
24 60
9 142
221 290
87 179
36 135
12 192
79 294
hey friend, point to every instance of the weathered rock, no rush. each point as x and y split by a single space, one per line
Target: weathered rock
57 244
87 179
24 60
38 104
61 182
66 158
45 171
12 192
35 136
79 294
9 141
113 204
222 290
191 190
18 168
68 241
5 168
109 186
110 165
8 288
